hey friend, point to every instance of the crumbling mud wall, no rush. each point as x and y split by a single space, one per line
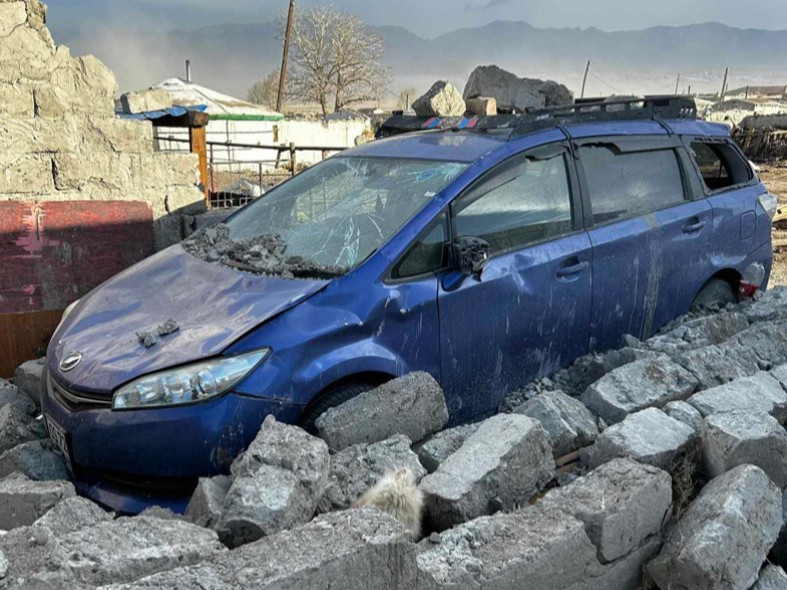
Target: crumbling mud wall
82 193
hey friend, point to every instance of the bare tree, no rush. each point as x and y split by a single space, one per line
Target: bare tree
337 58
264 92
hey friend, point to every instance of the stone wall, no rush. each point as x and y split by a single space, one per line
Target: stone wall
60 136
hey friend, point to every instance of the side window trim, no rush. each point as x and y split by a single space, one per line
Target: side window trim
635 144
689 139
540 153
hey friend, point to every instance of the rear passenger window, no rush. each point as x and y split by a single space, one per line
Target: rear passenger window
522 202
627 184
720 165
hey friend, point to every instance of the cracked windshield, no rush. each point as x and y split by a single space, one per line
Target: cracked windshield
337 213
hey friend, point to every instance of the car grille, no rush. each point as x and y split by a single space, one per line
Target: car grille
77 401
151 487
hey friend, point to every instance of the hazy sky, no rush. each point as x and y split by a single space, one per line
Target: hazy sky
433 17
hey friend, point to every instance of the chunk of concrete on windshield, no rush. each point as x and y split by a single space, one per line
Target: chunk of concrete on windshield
437 448
622 503
357 468
646 383
23 501
724 536
501 466
413 405
441 100
569 424
649 436
740 438
276 485
353 549
760 392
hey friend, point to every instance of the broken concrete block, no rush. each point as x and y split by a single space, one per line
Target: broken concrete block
22 501
357 468
739 438
73 514
276 485
645 383
35 459
501 466
771 577
482 106
127 549
441 100
685 335
539 549
622 503
413 405
17 427
649 436
766 340
759 393
438 447
145 101
625 573
724 535
684 412
715 365
29 377
569 424
513 93
353 549
207 501
11 394
768 306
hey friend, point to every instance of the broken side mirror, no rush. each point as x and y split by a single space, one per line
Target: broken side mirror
471 254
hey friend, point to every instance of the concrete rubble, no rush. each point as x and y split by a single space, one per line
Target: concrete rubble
277 483
761 392
355 469
413 405
648 436
772 577
207 501
499 467
569 424
740 438
645 383
23 501
36 459
441 100
145 101
438 447
29 378
684 412
513 93
724 536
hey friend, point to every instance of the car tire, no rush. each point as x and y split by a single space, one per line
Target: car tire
716 291
331 398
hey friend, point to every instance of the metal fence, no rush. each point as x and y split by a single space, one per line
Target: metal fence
238 173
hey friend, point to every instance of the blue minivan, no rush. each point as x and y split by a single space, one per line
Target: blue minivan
486 251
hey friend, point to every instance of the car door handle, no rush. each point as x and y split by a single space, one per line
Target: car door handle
692 228
574 268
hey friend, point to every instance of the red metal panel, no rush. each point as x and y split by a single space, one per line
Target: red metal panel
53 253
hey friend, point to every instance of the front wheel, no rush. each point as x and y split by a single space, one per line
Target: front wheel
715 292
331 398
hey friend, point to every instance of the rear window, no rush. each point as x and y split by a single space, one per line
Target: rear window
628 184
720 165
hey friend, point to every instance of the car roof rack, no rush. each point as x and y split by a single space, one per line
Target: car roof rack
582 111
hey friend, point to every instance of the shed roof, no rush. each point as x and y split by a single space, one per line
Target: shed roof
217 105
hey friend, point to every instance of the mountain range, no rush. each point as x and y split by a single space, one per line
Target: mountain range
231 57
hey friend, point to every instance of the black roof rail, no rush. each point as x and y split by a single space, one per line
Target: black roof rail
582 111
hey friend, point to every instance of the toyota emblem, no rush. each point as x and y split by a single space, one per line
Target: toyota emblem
71 361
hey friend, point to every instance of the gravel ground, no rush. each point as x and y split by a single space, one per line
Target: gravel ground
774 176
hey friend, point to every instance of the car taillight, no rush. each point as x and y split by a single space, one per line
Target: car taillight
752 279
768 201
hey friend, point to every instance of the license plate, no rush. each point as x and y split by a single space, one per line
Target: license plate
58 436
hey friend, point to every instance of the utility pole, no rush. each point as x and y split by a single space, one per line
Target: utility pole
724 84
585 79
285 56
677 84
188 70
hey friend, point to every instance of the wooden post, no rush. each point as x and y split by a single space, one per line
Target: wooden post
585 79
198 144
724 84
292 159
284 58
677 84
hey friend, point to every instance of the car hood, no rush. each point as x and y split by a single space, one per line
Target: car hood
212 304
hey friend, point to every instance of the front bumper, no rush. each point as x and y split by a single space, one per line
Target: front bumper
130 460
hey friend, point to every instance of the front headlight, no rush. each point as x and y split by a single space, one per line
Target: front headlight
189 384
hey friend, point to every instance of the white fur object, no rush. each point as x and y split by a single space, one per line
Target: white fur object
397 494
